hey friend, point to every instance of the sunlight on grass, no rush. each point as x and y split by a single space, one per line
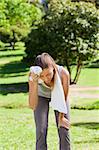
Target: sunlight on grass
89 77
14 100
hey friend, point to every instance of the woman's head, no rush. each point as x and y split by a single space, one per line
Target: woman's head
47 63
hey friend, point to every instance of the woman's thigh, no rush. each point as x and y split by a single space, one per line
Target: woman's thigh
41 113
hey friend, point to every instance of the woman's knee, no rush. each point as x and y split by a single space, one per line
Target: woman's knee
41 132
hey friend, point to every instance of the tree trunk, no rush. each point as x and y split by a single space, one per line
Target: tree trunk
78 70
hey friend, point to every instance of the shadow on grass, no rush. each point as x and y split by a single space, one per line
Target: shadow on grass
94 140
14 106
88 125
94 65
91 106
13 67
14 88
14 75
11 55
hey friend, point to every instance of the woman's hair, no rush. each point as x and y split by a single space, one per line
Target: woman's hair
44 61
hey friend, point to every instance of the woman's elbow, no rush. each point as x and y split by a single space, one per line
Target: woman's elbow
32 105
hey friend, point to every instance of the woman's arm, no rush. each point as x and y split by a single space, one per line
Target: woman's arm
33 91
65 78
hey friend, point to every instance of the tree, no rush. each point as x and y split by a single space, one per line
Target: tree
16 19
69 32
96 2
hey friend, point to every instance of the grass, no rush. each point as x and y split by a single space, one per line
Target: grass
12 69
85 103
17 127
18 130
88 77
16 100
20 100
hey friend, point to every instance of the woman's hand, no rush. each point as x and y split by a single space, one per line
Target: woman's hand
64 122
33 77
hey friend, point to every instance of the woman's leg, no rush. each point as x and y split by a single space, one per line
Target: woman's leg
64 138
41 121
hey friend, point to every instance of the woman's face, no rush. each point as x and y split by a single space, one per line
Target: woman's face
47 75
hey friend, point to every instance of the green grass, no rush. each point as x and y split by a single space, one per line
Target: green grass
17 127
16 100
12 69
20 100
88 77
84 131
85 103
18 130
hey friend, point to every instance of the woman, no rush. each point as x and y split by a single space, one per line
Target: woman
40 96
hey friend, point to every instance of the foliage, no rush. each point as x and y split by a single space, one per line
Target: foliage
96 2
69 32
16 19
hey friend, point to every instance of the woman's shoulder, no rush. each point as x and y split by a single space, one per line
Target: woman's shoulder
65 71
65 76
62 70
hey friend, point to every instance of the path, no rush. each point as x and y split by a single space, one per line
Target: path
84 92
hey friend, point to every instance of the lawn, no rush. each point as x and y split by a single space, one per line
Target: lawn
17 128
88 76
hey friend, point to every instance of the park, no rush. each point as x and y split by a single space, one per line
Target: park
77 51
